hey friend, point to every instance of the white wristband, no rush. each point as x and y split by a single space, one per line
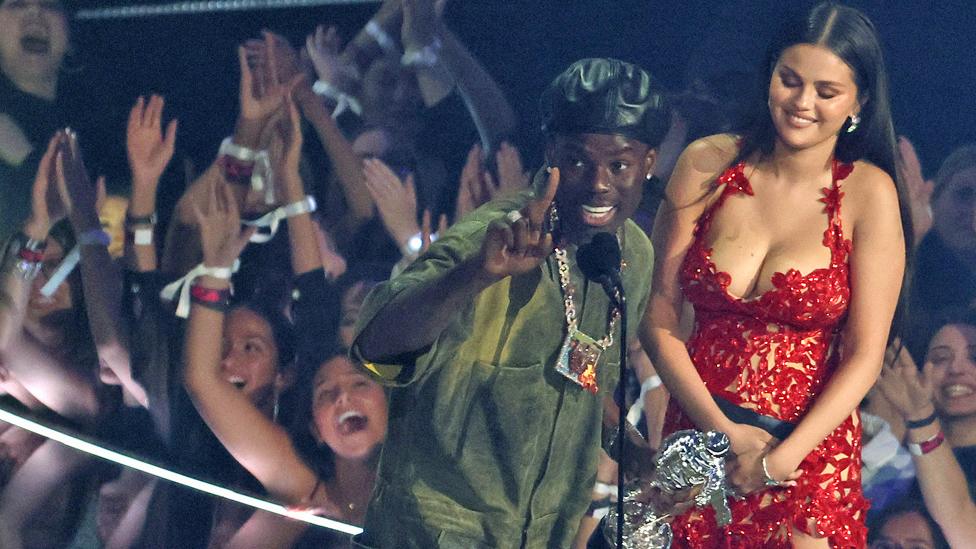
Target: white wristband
649 385
425 57
272 219
182 285
244 154
382 38
143 237
343 100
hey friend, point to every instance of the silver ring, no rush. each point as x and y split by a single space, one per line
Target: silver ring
513 216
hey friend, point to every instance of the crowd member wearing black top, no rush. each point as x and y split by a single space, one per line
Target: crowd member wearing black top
347 411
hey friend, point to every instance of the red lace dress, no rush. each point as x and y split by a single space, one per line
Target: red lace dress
773 354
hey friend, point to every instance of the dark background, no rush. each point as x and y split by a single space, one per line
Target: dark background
191 59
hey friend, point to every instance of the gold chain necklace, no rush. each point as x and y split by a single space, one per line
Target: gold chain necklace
580 353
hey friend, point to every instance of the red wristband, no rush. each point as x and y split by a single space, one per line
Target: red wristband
236 170
211 298
31 256
926 446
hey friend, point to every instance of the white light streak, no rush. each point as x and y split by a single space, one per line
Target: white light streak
166 474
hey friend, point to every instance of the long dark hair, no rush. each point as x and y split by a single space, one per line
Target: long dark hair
851 36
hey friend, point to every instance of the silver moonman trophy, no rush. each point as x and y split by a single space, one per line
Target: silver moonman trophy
686 459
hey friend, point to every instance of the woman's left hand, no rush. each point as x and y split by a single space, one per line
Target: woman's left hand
909 390
80 198
745 471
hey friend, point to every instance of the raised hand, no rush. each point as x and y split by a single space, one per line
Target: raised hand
919 190
908 390
470 185
322 48
286 153
149 150
426 234
46 207
512 177
79 196
261 93
519 242
396 201
219 220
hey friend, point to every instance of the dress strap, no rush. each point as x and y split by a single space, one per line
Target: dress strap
834 236
733 180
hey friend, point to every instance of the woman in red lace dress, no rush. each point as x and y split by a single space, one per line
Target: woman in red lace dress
789 242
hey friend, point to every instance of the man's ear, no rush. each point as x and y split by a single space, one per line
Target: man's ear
650 161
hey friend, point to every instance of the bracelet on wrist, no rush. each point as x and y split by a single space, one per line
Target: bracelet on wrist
768 479
380 36
216 299
142 236
924 422
926 446
181 289
133 220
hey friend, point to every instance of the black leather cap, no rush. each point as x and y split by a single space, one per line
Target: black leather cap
606 96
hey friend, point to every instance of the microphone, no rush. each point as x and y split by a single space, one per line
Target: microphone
599 260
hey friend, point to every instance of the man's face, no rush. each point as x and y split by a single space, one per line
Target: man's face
601 179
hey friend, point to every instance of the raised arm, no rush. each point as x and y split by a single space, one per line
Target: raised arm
255 441
45 375
437 51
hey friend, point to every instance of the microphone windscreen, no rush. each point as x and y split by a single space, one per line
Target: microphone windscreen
600 257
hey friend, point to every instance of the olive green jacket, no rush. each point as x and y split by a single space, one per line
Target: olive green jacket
489 446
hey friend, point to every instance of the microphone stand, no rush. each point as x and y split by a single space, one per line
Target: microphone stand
621 300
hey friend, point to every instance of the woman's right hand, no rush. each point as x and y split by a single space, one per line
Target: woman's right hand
149 150
221 236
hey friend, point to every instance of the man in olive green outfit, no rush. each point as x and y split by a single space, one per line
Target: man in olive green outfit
496 416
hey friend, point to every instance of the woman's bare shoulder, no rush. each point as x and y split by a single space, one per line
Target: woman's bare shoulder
868 189
702 161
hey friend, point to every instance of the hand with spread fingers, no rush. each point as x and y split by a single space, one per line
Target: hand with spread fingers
470 185
221 237
512 177
520 241
149 149
395 200
909 390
